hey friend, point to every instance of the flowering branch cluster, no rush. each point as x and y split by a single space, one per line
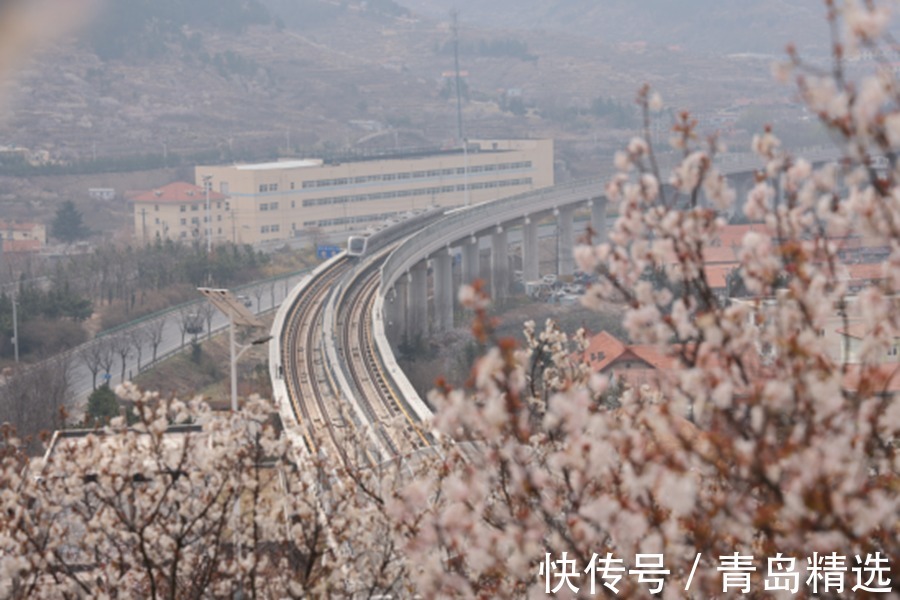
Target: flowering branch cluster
757 442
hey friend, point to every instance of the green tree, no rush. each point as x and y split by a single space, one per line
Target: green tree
68 224
102 406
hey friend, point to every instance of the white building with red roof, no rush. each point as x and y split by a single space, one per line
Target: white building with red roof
179 211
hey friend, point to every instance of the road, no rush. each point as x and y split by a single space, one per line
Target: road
271 294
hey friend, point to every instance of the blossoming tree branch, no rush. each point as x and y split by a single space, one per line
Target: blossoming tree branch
759 462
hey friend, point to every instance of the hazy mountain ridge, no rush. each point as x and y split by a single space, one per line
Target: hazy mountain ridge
705 26
316 76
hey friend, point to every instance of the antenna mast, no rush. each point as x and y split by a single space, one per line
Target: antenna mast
459 123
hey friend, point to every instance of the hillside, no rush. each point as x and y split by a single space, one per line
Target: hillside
704 26
279 77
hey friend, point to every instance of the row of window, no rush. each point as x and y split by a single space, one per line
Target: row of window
268 187
429 191
194 220
183 234
196 207
317 183
269 206
270 229
349 220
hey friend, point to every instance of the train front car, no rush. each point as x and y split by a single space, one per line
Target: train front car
356 245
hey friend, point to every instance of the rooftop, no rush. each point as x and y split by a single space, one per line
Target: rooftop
178 192
282 164
14 226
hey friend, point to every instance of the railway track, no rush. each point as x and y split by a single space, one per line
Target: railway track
344 408
394 423
311 391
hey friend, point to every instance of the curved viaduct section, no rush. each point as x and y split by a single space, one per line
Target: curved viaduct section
401 309
331 361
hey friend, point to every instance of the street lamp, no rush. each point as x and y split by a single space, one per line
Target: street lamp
237 314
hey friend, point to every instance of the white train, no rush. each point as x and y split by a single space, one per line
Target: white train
372 241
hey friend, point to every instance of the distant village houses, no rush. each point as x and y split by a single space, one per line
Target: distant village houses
16 237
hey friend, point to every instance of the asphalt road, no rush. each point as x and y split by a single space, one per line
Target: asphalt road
81 385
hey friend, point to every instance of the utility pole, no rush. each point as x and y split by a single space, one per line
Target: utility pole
459 120
206 183
15 327
144 226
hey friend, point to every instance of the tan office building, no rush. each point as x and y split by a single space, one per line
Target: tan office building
281 200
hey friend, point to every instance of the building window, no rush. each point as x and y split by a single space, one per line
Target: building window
184 221
219 205
183 208
273 206
274 228
292 204
156 207
220 231
157 220
195 220
292 185
264 207
195 207
264 229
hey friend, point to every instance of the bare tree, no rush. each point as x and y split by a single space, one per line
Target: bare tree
121 345
186 318
138 337
96 355
34 397
272 293
257 293
207 311
155 334
108 357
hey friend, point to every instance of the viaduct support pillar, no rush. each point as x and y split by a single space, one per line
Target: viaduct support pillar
471 260
443 290
566 242
598 220
396 311
530 250
417 326
499 265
